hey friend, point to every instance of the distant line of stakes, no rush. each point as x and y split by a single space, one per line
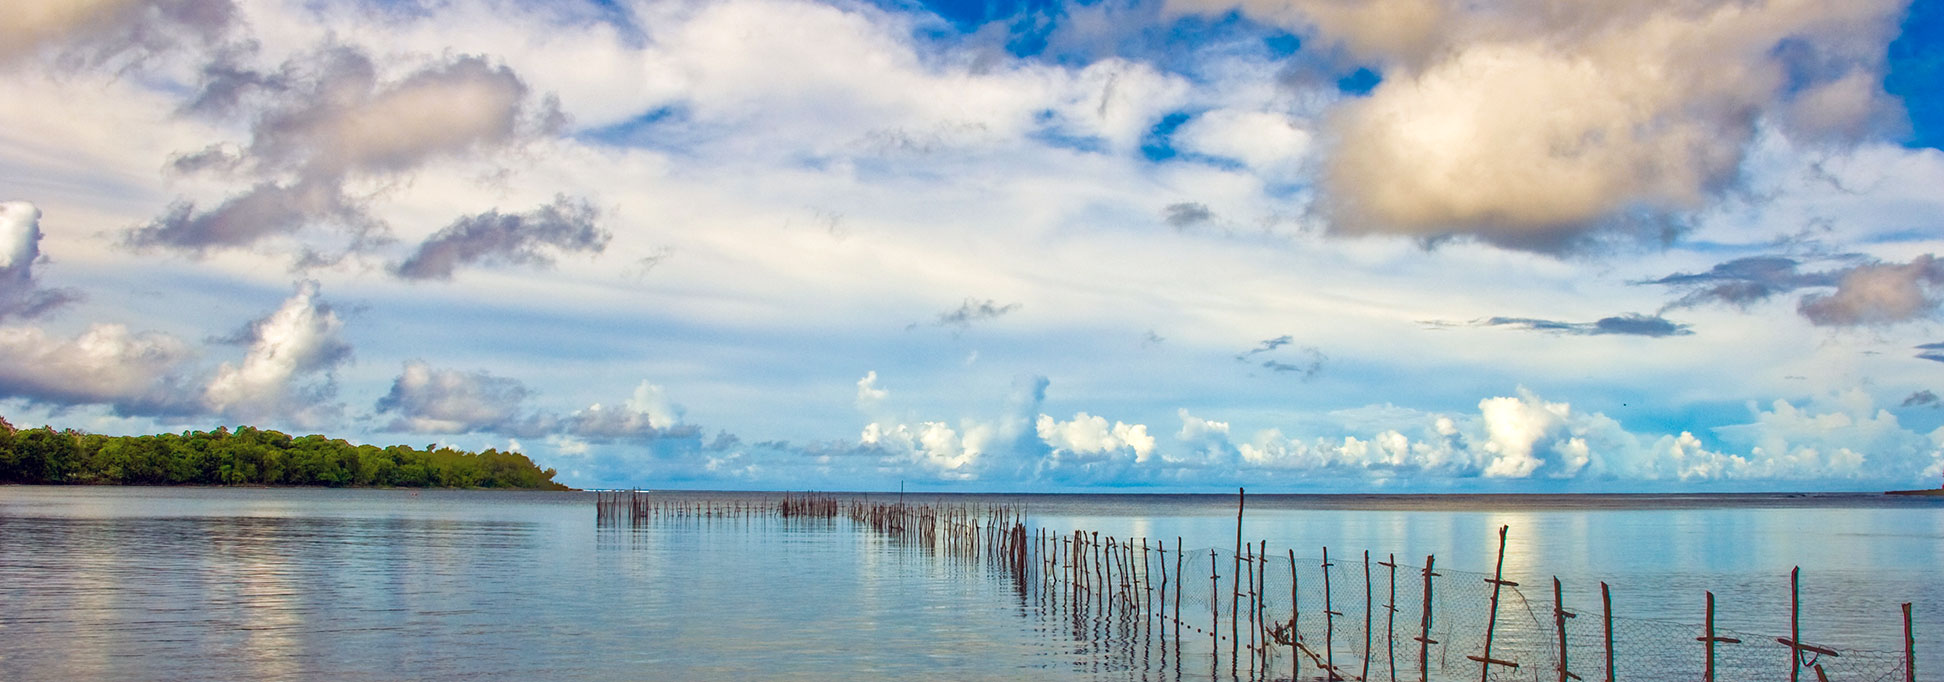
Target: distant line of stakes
1114 580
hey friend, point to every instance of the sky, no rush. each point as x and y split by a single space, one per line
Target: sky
1006 245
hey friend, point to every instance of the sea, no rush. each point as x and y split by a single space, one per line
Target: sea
162 583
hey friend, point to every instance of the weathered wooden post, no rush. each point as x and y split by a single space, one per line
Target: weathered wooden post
1794 642
1485 660
1295 616
1559 621
1241 500
1162 549
1709 639
1329 621
1606 611
1424 629
1390 616
1365 675
1214 608
1179 587
1262 599
1910 648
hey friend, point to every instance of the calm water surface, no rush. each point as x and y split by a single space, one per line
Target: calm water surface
181 583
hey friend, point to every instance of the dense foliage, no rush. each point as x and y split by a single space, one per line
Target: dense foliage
250 456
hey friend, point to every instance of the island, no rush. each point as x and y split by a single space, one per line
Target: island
252 456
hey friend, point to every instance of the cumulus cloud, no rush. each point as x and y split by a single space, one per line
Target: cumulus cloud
96 31
428 400
1090 437
135 373
1879 294
648 413
1923 398
20 235
975 449
566 225
1540 128
328 118
1631 324
424 399
1525 436
288 371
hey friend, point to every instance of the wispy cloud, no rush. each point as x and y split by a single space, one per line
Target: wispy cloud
566 225
973 311
1184 215
1631 324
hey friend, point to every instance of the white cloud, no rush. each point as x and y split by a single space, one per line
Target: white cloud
1273 145
20 294
428 400
1091 435
287 372
647 414
1532 127
108 365
868 393
1513 426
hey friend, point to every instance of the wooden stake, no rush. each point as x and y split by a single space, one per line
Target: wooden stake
1795 627
1214 607
1424 630
1390 616
1329 622
1366 647
1559 621
1177 600
1606 611
1296 612
1910 648
1485 660
1709 639
1241 500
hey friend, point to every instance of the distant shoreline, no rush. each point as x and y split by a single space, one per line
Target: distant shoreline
1928 492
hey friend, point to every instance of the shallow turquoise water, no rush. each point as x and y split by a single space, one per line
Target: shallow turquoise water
199 583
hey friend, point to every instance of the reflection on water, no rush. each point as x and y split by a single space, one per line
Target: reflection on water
133 583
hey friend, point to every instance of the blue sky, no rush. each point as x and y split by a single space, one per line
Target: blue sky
1299 245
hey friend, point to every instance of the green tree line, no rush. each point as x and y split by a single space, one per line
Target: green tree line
251 456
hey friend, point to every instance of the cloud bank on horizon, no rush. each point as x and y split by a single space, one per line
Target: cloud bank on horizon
1176 244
